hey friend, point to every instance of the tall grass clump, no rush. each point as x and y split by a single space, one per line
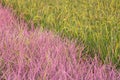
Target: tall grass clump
41 55
95 22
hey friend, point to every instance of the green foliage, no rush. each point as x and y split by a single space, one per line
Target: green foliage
95 22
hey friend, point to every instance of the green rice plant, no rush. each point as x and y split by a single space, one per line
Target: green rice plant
95 22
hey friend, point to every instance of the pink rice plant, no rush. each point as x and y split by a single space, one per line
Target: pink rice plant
37 55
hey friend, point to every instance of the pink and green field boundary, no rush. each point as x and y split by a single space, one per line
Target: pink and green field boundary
41 55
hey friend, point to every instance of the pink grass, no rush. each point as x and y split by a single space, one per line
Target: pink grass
36 55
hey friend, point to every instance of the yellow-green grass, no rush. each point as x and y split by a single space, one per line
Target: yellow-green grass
95 22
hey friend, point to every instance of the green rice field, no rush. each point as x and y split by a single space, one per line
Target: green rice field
95 23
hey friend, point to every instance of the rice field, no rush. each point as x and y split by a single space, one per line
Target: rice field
59 40
96 23
41 55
